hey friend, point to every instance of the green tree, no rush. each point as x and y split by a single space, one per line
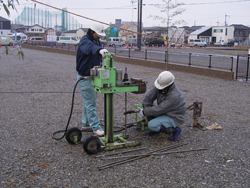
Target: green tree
9 4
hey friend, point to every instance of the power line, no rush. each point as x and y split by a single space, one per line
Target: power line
207 3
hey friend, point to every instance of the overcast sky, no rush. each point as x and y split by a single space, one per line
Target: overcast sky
197 12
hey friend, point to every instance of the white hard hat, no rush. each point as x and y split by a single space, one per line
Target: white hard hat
164 79
98 30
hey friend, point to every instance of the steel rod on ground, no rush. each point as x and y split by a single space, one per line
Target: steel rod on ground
135 158
163 153
121 152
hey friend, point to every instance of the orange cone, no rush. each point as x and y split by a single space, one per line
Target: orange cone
131 45
0 45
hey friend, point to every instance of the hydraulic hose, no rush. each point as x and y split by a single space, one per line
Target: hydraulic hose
71 110
72 106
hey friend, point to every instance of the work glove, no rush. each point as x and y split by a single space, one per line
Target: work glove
141 114
103 51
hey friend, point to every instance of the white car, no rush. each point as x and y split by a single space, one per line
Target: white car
67 40
220 43
197 42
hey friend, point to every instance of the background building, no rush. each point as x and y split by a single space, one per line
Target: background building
31 16
5 26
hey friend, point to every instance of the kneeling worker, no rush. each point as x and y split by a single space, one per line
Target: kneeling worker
168 114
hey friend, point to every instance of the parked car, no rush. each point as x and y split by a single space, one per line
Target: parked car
103 41
116 41
134 42
197 42
20 37
154 42
230 43
35 39
175 44
67 40
220 43
6 40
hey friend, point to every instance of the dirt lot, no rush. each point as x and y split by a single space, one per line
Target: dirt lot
35 98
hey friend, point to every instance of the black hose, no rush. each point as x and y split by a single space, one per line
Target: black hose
72 106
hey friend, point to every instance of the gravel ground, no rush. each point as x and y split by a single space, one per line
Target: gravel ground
35 97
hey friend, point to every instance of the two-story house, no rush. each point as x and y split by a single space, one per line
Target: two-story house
241 33
5 26
127 35
35 30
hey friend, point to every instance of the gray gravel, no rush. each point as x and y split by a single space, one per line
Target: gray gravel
35 97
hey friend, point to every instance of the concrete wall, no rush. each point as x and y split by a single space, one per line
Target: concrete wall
156 64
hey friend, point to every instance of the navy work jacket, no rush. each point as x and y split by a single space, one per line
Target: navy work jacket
88 55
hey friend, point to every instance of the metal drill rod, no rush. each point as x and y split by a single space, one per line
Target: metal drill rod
148 153
121 152
126 114
164 153
135 158
129 160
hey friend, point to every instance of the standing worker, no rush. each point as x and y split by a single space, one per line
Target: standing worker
168 114
89 54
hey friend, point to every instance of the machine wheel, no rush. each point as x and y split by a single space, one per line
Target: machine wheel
73 135
92 145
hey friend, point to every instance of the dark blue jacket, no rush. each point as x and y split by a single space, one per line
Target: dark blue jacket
88 55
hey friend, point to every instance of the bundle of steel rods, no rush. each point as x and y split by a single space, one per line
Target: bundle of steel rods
140 156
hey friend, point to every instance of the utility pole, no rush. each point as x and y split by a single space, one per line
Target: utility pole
167 36
226 19
139 24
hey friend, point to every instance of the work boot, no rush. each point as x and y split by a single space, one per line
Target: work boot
99 132
151 133
177 132
168 130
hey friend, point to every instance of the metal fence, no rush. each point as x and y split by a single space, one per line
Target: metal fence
233 63
210 61
242 71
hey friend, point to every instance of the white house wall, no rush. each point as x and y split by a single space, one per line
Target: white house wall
79 34
192 37
69 34
223 35
36 29
4 31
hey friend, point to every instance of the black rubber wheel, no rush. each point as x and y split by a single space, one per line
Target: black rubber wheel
92 145
73 135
